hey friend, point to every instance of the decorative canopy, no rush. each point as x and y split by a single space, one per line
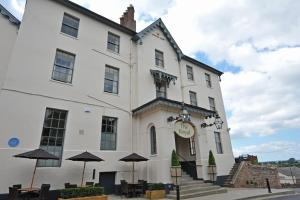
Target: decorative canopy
160 76
37 154
86 157
133 158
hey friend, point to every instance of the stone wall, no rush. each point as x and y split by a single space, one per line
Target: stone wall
255 176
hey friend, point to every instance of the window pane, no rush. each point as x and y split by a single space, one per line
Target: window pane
111 82
52 137
193 98
153 140
108 134
70 25
207 79
189 71
63 67
212 103
113 42
159 58
218 143
161 89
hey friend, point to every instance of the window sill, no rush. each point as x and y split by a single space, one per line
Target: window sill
70 36
113 94
111 51
60 82
153 155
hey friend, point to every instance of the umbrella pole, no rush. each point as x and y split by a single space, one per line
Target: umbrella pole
132 172
33 174
83 173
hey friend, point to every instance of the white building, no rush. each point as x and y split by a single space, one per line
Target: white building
72 80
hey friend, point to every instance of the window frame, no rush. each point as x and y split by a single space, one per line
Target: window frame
192 145
70 26
153 141
158 91
45 163
158 60
113 81
190 72
212 100
208 80
218 142
110 43
191 93
115 132
55 65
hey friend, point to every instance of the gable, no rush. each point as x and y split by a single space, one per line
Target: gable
159 24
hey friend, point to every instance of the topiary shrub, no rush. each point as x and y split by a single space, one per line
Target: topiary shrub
175 161
211 159
156 186
69 193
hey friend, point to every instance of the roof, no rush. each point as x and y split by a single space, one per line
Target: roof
173 104
95 16
159 23
10 17
202 65
287 171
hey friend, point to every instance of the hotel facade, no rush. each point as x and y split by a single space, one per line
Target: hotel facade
73 81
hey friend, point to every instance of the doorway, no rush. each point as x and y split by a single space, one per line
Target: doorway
107 181
185 149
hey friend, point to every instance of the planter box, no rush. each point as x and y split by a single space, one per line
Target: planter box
176 171
155 194
102 197
212 169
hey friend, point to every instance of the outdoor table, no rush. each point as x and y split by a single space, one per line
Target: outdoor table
29 193
34 189
132 187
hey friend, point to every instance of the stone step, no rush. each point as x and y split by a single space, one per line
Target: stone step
191 182
195 189
195 185
198 194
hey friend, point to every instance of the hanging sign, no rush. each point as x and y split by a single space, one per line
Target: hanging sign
184 129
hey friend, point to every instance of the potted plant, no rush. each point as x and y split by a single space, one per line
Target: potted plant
156 191
175 168
211 166
82 193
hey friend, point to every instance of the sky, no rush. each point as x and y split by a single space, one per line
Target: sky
256 43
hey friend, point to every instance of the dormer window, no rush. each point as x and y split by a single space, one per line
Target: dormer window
159 58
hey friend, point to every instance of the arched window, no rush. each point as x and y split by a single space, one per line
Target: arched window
153 140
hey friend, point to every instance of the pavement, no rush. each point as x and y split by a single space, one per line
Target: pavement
241 194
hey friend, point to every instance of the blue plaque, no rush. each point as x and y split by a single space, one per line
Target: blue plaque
13 142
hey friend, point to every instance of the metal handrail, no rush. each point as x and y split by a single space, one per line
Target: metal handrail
188 162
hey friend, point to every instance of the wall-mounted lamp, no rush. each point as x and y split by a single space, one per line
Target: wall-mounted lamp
183 116
218 122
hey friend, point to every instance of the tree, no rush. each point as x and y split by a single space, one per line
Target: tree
175 160
291 160
211 159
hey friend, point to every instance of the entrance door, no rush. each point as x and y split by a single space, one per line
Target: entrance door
107 180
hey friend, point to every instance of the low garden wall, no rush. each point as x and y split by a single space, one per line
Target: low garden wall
255 176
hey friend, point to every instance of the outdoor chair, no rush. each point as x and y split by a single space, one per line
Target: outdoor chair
73 185
44 192
67 185
18 186
125 189
13 193
138 189
97 185
144 185
89 183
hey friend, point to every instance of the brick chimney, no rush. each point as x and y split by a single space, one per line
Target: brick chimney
127 19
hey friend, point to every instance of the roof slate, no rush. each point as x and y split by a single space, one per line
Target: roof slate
10 17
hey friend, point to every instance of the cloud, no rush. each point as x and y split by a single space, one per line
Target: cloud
274 148
18 6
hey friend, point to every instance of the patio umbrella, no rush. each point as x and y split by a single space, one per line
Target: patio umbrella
36 154
133 158
85 157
